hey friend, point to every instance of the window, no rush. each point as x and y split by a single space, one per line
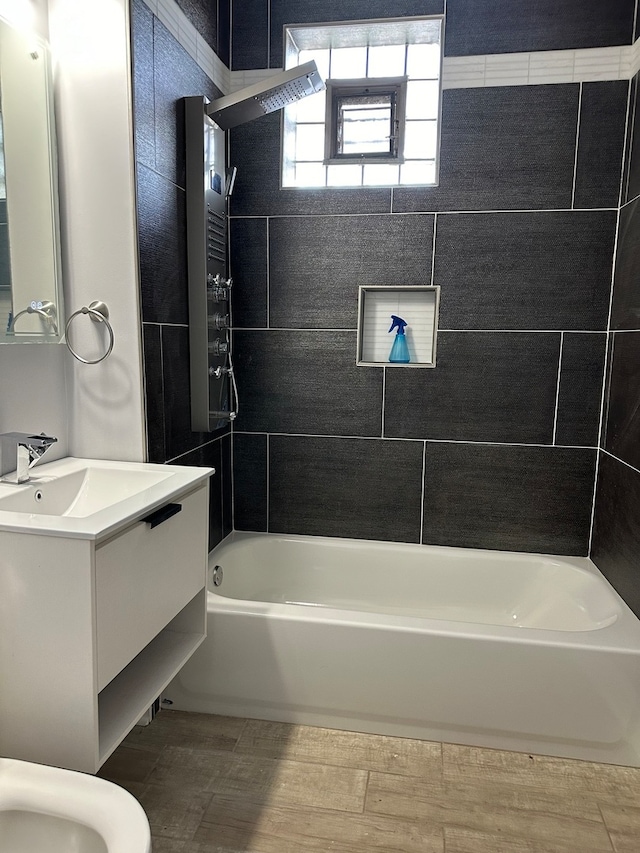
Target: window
364 120
377 124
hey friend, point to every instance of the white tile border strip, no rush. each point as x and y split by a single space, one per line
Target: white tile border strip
549 66
458 72
181 28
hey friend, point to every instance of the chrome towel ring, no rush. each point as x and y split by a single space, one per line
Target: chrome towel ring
99 313
44 309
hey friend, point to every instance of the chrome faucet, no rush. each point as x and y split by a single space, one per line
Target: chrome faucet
20 452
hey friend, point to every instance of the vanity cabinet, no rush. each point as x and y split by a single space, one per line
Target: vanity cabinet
93 629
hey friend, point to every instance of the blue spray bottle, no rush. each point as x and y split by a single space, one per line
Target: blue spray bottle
399 351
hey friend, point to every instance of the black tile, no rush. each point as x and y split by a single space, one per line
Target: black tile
502 26
630 144
179 437
580 394
143 94
310 11
485 387
625 311
305 382
542 270
250 481
224 31
603 114
216 533
203 15
535 499
356 488
162 239
250 34
316 264
209 456
502 148
616 529
248 268
633 187
255 150
623 416
176 76
154 393
227 485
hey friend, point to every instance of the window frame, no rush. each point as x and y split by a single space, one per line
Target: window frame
340 87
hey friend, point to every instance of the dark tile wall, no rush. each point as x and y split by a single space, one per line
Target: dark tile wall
498 443
473 26
616 536
163 73
211 18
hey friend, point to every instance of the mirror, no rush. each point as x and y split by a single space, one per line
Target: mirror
31 308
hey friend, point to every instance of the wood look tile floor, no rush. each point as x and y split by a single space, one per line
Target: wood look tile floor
224 785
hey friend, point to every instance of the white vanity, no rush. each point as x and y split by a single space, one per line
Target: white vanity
102 600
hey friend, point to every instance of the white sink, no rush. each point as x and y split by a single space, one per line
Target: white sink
79 493
87 498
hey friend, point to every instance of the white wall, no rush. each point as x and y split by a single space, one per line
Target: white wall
32 392
96 410
90 42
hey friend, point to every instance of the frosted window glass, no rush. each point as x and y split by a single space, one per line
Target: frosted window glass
364 124
310 142
394 48
348 62
418 172
423 61
321 58
310 175
344 176
288 174
420 139
422 99
310 109
380 176
386 61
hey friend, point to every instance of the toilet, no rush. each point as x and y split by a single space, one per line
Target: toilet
49 809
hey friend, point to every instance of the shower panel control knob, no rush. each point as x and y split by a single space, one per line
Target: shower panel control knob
219 321
218 280
219 348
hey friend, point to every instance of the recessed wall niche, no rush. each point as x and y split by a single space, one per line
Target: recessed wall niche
417 305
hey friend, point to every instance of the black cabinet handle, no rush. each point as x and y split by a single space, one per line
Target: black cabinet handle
162 514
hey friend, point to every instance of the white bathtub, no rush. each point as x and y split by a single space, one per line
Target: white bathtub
489 648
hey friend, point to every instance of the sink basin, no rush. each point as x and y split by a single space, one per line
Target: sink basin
88 498
79 493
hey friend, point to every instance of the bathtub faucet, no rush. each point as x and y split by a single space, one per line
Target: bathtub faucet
20 452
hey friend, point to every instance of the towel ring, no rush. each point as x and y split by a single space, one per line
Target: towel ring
44 309
99 313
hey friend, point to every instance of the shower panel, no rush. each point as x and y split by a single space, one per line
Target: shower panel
214 394
213 397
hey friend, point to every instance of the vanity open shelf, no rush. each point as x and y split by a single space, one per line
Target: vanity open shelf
99 611
123 701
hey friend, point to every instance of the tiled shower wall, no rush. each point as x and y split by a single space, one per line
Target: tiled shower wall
616 540
496 447
164 72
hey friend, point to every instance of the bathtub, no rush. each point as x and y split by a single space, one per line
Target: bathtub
527 652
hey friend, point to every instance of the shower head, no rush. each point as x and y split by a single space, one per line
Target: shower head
273 94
